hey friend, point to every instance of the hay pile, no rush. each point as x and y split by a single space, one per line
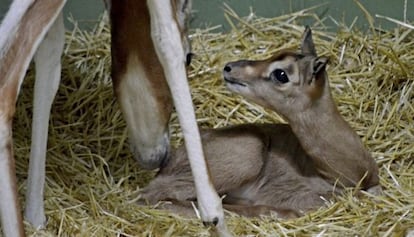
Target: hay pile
93 181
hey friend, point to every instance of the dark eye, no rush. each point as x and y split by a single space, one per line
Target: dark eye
279 75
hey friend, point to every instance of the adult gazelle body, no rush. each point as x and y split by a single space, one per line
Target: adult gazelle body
284 168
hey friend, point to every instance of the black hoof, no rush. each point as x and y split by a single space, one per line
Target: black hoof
212 223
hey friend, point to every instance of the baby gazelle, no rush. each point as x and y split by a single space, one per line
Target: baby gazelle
287 169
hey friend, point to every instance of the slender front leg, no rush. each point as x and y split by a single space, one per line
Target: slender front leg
168 44
48 68
16 54
11 217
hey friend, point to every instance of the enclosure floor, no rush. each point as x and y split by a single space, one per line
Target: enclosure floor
93 182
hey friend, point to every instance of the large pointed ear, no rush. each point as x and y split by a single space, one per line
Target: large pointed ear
319 64
318 79
307 46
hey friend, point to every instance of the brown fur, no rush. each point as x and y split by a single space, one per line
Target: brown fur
132 49
276 167
131 36
22 45
138 78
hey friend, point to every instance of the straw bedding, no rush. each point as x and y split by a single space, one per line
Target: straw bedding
93 181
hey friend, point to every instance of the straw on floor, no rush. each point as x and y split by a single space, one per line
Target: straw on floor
93 181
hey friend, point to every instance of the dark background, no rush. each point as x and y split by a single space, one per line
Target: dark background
211 13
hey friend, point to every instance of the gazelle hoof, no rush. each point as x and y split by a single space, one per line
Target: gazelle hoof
214 222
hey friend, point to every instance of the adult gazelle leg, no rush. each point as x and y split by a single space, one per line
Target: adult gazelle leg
17 52
48 70
10 215
168 44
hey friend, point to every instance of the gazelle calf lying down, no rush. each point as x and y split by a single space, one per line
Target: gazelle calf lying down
287 169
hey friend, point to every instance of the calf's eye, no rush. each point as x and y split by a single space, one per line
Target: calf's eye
279 75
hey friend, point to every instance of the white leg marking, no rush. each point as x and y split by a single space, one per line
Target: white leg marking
48 68
167 42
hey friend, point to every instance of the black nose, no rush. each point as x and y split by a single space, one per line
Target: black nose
227 68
